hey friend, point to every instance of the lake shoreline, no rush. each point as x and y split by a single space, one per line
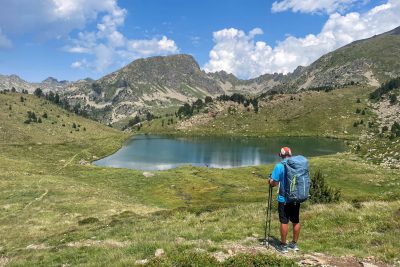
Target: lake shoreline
153 152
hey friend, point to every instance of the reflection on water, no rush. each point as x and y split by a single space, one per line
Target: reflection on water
162 153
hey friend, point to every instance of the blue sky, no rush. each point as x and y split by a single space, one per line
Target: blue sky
74 39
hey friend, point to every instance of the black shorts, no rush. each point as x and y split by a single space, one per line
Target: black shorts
289 211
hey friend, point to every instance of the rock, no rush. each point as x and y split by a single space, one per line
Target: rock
3 261
142 262
159 253
308 262
148 174
367 264
179 239
37 246
220 256
317 259
83 162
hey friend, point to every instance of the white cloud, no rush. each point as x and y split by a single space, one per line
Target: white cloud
238 53
51 18
145 48
313 6
57 19
109 47
80 64
4 41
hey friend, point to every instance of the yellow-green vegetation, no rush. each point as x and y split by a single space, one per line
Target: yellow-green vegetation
55 211
309 113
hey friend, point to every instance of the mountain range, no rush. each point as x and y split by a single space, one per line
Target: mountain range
159 83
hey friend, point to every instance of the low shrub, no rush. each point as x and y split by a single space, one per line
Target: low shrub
320 192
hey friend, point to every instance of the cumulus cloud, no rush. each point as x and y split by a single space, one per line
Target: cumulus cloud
110 47
104 47
4 41
51 18
312 6
79 64
237 52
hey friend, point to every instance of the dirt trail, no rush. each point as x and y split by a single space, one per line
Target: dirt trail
37 199
251 245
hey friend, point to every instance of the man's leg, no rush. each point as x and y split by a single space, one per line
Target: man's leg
296 231
284 232
294 218
284 220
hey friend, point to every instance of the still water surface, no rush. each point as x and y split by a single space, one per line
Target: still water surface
152 152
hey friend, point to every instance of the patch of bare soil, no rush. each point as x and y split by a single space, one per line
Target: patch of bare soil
109 243
320 259
99 243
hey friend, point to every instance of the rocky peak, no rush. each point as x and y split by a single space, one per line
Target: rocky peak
50 80
179 63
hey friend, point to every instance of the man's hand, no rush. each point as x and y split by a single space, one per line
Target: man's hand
272 182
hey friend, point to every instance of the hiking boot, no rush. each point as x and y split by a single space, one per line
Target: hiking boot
282 248
293 246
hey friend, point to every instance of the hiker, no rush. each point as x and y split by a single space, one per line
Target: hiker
287 211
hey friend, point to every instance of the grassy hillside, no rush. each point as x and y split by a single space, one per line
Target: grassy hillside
55 129
308 113
55 211
381 51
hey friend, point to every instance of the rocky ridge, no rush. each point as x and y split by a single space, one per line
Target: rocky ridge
7 82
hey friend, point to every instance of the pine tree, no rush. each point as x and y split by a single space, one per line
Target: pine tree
38 92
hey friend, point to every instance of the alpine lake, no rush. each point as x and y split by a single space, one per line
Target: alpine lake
157 152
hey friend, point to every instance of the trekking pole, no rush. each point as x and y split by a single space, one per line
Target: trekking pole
270 212
267 226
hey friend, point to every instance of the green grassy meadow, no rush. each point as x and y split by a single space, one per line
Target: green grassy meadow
310 113
57 212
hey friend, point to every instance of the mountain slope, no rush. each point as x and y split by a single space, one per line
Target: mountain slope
160 84
144 84
370 61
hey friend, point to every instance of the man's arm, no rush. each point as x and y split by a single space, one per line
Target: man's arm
274 178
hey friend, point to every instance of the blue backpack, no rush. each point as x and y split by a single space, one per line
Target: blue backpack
297 182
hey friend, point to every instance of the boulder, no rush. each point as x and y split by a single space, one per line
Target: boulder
148 174
141 262
159 253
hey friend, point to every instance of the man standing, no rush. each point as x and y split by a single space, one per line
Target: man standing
287 211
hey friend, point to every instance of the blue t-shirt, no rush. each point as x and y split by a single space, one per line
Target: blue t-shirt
278 175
